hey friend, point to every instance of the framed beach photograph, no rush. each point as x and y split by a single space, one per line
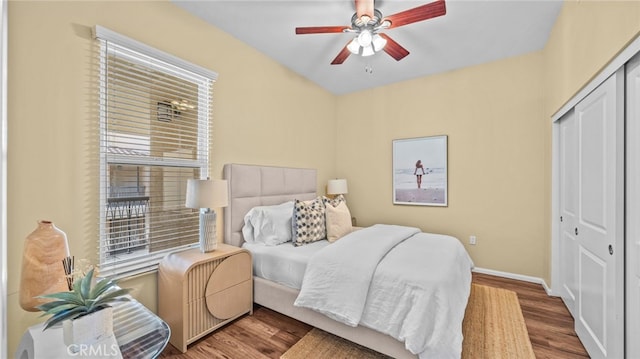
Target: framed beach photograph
420 171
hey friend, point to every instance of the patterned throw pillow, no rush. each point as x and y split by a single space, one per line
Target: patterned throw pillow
334 202
308 221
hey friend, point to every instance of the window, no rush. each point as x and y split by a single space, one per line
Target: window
154 135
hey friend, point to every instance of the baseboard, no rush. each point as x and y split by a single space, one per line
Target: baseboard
524 278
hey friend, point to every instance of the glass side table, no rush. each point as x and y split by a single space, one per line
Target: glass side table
138 332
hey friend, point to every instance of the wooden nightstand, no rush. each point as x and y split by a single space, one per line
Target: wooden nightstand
200 292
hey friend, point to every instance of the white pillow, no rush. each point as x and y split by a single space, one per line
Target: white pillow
269 225
338 221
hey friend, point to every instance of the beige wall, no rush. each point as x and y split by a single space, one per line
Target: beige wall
491 114
497 117
587 35
263 114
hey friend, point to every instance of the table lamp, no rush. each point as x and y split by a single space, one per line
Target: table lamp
337 186
204 195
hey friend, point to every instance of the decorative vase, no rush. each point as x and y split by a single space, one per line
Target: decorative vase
89 329
42 269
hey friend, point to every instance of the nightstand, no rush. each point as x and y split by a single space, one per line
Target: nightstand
200 292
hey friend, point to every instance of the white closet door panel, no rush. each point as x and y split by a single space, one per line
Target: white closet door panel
569 166
568 209
592 311
598 231
569 248
632 305
593 165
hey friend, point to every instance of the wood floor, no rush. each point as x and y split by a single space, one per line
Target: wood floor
549 323
267 334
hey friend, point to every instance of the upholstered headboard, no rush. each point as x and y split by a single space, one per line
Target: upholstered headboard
251 186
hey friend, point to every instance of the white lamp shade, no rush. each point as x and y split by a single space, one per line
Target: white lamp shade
365 37
337 186
207 193
354 46
368 51
366 43
378 42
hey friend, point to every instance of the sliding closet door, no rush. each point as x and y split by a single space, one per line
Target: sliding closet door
568 209
598 231
632 315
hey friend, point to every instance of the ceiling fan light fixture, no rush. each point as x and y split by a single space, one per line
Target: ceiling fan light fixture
365 37
354 46
368 21
368 51
378 42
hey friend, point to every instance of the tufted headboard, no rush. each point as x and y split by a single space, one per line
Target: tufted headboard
251 185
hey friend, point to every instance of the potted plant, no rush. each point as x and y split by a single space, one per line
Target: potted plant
85 312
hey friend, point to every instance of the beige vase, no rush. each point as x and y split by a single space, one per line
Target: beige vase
42 269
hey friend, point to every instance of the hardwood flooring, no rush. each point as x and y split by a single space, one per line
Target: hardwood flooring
549 323
268 334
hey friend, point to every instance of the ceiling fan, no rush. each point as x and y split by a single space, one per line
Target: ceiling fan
367 22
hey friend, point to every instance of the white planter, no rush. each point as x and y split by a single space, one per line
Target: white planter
89 329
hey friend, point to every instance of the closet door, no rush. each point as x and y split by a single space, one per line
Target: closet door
598 231
568 209
632 316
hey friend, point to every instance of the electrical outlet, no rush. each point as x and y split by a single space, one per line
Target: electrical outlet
472 240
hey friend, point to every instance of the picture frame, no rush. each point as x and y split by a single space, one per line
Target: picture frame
420 171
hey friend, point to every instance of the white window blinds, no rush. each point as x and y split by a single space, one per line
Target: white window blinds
154 135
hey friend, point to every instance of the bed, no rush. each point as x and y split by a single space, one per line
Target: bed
278 270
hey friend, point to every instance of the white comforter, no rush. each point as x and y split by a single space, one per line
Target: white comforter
410 285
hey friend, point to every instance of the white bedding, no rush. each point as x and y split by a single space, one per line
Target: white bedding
417 293
284 263
337 278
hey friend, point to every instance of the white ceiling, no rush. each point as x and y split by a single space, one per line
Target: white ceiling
472 32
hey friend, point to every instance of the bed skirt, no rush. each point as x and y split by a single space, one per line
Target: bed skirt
280 299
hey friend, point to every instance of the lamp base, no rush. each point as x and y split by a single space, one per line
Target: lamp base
208 240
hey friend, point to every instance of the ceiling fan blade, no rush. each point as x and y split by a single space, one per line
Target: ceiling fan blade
420 13
364 7
320 29
344 53
394 49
